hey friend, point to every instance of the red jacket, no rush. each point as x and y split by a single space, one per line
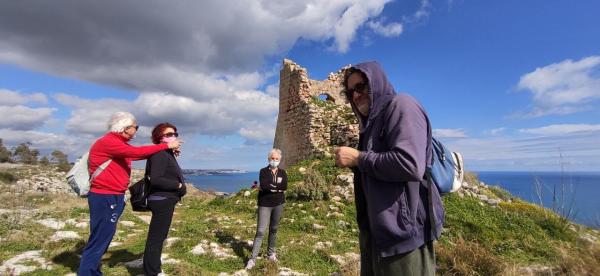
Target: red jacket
115 178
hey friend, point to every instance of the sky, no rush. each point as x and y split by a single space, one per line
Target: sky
512 85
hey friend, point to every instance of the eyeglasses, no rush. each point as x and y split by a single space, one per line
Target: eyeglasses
171 134
136 127
360 88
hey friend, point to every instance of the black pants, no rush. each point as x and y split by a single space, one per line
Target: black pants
162 214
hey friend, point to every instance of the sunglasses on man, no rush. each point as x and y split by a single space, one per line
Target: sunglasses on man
359 88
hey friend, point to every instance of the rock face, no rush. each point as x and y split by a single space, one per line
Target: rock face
313 116
49 181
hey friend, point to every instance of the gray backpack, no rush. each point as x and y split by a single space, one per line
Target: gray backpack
79 177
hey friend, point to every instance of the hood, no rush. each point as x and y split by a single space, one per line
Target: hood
381 91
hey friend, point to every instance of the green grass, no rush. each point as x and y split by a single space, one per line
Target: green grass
478 239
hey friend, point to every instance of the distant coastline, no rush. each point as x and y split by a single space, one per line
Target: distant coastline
212 171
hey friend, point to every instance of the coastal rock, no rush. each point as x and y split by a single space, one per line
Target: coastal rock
284 271
241 272
204 247
64 235
318 226
25 262
52 223
127 223
323 245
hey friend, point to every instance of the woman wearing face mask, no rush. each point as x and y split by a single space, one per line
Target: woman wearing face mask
166 189
273 182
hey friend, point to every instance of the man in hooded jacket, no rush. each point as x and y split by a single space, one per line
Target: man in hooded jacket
394 213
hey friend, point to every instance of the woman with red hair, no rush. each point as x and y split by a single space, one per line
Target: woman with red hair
166 189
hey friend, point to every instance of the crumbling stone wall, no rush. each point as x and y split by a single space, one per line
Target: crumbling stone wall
313 116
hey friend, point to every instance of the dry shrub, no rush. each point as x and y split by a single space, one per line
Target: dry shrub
467 258
471 178
586 262
350 269
197 193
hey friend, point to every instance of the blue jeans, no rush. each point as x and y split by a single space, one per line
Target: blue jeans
105 211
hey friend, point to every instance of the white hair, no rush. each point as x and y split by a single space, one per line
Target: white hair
274 151
119 121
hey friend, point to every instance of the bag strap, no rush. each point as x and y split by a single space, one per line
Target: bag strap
100 169
430 209
431 143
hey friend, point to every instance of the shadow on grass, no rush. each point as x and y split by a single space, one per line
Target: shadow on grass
238 246
72 257
118 257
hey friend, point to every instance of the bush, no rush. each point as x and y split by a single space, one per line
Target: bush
7 177
64 167
314 187
468 258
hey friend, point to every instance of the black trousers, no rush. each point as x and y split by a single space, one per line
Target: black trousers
162 215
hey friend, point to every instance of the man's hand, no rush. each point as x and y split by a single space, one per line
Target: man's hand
175 145
346 157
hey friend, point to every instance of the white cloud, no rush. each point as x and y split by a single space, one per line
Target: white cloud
421 14
449 133
496 131
12 98
273 90
389 30
198 64
220 116
90 116
224 115
260 132
564 129
24 118
531 152
73 146
174 50
563 88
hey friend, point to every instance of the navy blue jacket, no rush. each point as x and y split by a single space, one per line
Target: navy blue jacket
391 195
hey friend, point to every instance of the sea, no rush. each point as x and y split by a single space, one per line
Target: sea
222 182
578 192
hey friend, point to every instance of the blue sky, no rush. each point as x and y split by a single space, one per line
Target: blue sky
513 85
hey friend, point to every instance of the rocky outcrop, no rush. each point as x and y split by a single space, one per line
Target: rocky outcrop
40 179
313 115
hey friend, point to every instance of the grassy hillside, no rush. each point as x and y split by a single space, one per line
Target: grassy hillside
316 237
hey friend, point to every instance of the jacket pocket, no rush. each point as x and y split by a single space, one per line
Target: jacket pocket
404 218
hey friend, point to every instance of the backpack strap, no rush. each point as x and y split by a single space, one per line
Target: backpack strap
429 180
99 169
430 209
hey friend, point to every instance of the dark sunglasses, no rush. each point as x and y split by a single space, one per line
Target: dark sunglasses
360 88
171 134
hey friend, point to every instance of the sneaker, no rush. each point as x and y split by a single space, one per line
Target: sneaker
272 257
250 264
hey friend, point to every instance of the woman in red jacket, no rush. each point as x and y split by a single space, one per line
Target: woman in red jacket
106 198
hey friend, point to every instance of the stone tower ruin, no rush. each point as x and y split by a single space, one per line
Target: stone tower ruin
313 116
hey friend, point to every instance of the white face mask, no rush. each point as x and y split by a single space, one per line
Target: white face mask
273 163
